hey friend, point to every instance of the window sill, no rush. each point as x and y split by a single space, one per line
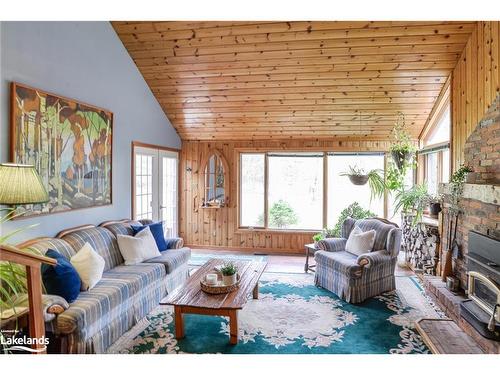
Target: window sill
276 231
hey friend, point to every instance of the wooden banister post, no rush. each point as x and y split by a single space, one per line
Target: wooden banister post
33 263
36 321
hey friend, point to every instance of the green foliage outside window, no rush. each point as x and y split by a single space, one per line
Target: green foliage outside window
355 211
282 215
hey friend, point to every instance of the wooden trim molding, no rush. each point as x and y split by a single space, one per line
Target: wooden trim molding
31 242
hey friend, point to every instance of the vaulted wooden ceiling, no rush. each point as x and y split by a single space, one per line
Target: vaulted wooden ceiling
281 80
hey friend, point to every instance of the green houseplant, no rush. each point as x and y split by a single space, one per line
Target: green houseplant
318 237
229 273
412 201
402 149
375 179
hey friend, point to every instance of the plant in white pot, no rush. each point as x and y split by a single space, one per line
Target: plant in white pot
229 273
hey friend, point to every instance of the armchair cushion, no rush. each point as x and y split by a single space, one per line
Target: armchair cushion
339 261
332 244
374 259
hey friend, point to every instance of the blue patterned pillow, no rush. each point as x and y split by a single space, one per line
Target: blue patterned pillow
156 231
61 279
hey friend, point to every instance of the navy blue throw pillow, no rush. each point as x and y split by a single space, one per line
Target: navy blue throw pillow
61 279
156 231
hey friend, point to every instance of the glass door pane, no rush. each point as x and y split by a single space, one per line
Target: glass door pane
168 192
144 207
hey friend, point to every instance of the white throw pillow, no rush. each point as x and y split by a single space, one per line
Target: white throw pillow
149 248
139 248
360 242
89 266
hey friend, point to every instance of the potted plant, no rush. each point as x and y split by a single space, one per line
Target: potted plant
356 175
375 179
229 273
412 201
318 237
434 205
403 149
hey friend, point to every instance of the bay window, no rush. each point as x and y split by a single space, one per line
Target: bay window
302 190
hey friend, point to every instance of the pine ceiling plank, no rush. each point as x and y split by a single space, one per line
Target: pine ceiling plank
318 30
331 55
215 99
290 41
294 80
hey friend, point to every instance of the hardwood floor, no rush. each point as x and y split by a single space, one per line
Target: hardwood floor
287 263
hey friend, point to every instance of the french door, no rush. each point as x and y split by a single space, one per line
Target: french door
155 194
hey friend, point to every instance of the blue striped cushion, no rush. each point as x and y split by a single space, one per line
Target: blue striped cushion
101 240
119 290
124 228
172 259
61 246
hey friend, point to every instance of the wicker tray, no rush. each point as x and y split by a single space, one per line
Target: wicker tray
219 288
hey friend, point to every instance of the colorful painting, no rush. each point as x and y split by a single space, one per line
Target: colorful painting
70 145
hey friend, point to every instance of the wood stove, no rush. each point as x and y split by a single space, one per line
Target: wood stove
482 311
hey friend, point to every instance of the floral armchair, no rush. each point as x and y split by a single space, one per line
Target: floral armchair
356 278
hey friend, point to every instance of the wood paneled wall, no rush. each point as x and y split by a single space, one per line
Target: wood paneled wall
475 84
218 228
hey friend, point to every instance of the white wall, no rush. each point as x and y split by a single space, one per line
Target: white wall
85 61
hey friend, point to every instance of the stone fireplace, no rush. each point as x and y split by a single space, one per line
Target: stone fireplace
480 203
477 236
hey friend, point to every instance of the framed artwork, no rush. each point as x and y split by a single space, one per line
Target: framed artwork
70 145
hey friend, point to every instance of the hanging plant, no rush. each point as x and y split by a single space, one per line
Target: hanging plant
375 179
356 175
403 149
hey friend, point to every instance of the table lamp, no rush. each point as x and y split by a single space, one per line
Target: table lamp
21 184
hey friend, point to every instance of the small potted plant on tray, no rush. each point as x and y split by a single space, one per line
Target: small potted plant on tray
229 273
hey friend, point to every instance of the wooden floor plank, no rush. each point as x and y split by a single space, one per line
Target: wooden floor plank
444 336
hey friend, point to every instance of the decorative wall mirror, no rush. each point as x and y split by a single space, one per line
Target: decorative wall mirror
216 176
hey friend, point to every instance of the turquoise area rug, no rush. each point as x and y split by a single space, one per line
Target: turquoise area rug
291 316
199 259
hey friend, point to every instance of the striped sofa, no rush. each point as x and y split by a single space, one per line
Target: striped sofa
124 295
356 278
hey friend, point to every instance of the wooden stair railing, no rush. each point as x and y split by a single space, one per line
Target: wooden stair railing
33 264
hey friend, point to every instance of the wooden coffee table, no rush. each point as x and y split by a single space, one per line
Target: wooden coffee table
190 299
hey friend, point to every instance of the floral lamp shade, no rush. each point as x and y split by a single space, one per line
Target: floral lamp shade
21 184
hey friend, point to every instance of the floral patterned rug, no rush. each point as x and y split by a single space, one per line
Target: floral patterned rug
291 316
